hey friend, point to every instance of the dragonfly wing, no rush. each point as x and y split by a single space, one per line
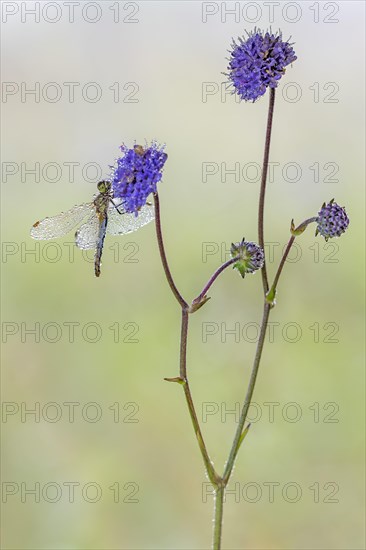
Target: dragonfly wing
120 224
86 237
60 225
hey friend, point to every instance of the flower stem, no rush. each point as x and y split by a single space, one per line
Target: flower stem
218 482
218 514
266 311
271 295
213 279
214 478
183 345
183 379
248 397
164 260
263 184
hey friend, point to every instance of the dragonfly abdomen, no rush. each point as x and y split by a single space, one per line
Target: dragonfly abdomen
100 242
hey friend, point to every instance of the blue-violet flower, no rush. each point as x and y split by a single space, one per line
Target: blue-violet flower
258 62
136 174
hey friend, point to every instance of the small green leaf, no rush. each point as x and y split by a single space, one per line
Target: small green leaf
240 266
243 436
295 231
271 297
177 379
197 305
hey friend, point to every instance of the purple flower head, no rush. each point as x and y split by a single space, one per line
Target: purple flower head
332 220
136 174
258 63
250 257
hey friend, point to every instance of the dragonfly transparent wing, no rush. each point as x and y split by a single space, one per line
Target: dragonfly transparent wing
60 225
120 224
86 237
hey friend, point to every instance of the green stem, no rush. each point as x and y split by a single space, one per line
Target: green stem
239 435
219 509
248 397
271 295
263 185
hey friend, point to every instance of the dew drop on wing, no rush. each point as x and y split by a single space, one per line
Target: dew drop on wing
58 226
121 224
86 237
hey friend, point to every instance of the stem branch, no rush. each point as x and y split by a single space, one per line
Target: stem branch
183 379
213 279
214 478
272 292
271 295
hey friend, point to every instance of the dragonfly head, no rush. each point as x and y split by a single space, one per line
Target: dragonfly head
104 186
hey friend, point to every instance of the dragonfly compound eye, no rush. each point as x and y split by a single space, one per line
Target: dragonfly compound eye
104 186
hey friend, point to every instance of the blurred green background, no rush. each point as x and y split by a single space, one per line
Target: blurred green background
129 429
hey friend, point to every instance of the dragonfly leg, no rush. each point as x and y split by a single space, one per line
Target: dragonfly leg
117 207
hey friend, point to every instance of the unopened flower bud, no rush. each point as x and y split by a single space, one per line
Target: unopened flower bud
250 257
332 220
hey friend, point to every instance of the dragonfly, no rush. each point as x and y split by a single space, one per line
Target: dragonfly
103 216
